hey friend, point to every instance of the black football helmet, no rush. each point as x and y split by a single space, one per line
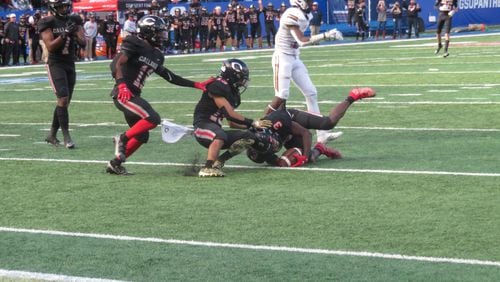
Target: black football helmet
236 73
55 5
152 29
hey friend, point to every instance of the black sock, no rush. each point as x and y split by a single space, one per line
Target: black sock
446 43
55 123
62 115
209 163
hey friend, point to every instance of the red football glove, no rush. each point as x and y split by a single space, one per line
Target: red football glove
124 94
203 84
301 160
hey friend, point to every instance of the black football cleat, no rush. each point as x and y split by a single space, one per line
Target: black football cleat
438 49
52 140
117 169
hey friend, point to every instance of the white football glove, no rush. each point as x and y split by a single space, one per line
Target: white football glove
334 34
451 13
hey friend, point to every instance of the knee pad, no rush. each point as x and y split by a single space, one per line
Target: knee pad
143 138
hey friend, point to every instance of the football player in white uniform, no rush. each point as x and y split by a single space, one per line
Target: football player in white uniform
287 65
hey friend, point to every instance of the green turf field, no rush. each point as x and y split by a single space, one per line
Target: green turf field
420 177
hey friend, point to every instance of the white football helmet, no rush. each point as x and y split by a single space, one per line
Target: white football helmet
302 4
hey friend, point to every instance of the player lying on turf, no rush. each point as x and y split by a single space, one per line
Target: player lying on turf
286 130
139 57
219 101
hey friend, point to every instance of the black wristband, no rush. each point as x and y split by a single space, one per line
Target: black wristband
248 122
120 80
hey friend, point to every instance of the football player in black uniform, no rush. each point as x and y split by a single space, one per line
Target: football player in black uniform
23 37
204 23
269 17
287 124
219 101
242 21
447 9
60 34
231 25
255 26
110 35
138 58
217 27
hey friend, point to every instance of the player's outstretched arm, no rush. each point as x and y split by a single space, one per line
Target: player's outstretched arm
303 40
236 118
299 130
178 80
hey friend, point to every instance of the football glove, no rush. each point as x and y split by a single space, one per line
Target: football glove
262 123
300 160
451 13
124 94
334 34
203 84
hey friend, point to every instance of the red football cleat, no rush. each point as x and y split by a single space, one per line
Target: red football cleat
361 93
328 152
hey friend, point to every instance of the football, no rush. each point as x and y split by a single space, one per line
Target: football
287 159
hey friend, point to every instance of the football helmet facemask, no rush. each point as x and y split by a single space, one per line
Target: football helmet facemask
152 29
59 8
236 73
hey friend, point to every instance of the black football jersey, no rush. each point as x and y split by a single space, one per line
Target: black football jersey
218 22
254 17
143 60
206 109
110 28
269 15
23 29
230 17
67 51
204 19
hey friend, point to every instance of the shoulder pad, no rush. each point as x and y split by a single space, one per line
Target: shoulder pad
291 16
219 88
132 45
76 19
44 23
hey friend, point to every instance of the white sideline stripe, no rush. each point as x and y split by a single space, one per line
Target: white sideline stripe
256 247
346 127
406 94
48 277
421 129
365 102
9 135
442 91
348 170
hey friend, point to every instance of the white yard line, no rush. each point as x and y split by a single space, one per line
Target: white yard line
48 276
9 135
256 247
420 128
318 169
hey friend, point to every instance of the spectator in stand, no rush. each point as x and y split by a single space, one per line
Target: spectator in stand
34 37
359 18
412 13
381 18
90 28
316 21
154 9
269 17
129 27
351 9
177 25
2 44
11 41
195 27
255 26
397 16
186 33
23 35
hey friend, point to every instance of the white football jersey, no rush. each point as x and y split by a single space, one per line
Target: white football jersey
284 39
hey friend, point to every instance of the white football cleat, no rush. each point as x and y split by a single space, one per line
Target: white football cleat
328 136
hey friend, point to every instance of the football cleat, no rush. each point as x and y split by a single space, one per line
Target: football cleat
210 172
120 148
218 164
328 152
361 93
53 140
328 136
117 169
69 144
446 54
438 49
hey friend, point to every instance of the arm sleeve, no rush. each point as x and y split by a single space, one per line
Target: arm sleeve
173 78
